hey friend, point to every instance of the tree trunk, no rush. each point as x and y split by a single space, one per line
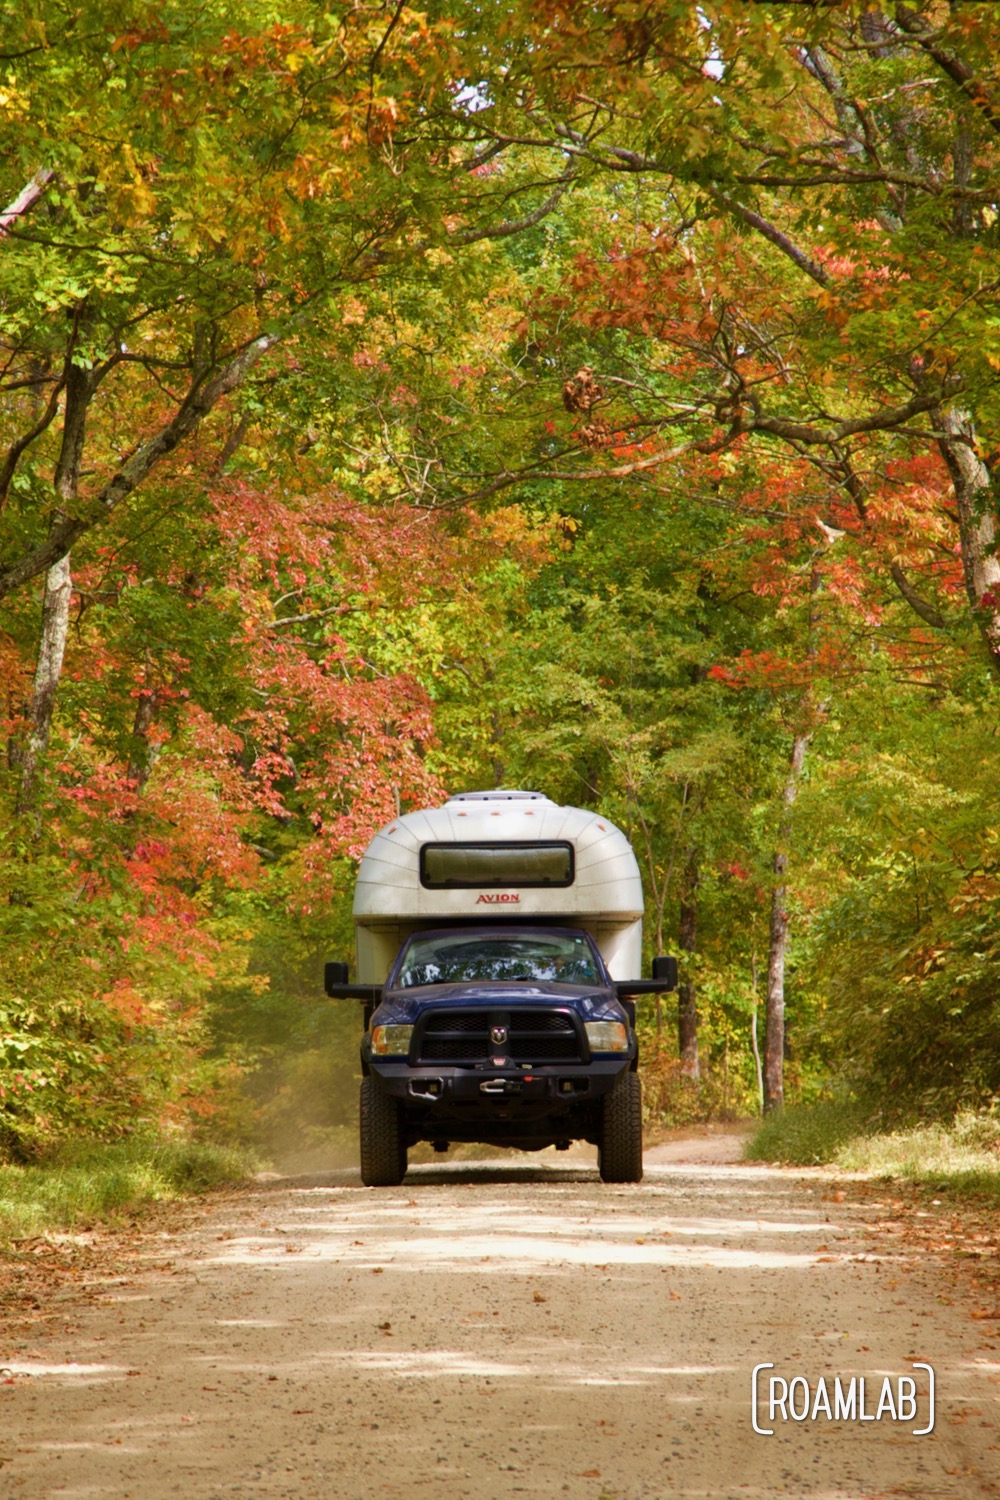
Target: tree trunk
754 1045
78 383
142 756
774 1023
977 524
55 626
687 1005
200 399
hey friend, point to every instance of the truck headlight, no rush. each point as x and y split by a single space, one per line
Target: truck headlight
606 1036
391 1041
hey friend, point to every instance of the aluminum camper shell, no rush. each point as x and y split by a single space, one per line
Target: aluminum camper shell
605 897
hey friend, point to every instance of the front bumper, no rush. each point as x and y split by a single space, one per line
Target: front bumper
557 1085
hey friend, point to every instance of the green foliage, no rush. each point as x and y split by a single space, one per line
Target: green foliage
899 938
962 1157
88 1183
595 443
74 1061
293 1089
808 1135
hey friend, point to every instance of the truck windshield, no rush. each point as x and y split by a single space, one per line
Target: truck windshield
457 958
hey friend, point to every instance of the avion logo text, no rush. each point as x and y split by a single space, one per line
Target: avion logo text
498 898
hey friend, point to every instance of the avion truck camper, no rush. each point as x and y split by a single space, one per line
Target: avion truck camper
499 944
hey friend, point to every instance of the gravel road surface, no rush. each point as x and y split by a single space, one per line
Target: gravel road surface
512 1328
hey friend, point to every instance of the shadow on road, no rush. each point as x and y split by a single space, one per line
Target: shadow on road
443 1174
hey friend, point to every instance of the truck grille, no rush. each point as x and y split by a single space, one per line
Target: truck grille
533 1036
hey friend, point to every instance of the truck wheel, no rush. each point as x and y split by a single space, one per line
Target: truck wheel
383 1142
620 1151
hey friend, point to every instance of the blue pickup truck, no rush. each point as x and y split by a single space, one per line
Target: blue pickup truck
504 1024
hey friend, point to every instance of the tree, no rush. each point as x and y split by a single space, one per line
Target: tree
205 197
394 400
849 156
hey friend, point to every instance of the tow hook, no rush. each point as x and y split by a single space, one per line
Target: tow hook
500 1086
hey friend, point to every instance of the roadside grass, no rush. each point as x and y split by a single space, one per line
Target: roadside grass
963 1157
88 1183
805 1135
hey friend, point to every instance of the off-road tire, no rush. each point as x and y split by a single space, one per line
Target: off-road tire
620 1149
383 1140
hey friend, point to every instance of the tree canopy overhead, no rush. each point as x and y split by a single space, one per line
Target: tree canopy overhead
393 400
192 191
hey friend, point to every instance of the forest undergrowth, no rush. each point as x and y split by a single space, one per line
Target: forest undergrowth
99 1183
961 1157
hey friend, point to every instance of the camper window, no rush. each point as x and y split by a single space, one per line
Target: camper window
473 866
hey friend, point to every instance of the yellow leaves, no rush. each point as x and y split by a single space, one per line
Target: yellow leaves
13 103
137 200
311 176
127 183
831 304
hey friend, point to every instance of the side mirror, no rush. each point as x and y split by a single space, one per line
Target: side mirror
334 974
336 986
665 968
664 979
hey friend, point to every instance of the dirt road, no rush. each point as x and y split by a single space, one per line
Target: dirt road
513 1328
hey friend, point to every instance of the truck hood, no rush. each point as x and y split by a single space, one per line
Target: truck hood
590 1002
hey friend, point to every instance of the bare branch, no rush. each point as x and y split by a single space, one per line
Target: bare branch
236 435
316 614
776 236
17 448
917 603
878 421
26 198
949 62
514 226
197 404
507 478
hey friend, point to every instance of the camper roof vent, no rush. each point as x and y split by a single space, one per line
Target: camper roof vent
500 794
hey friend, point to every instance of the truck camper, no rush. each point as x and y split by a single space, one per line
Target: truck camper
499 948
